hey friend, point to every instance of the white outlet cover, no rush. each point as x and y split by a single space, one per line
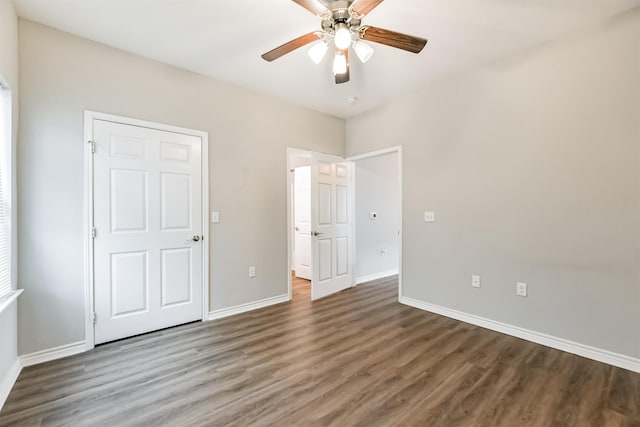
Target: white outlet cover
429 216
475 281
252 272
521 289
215 216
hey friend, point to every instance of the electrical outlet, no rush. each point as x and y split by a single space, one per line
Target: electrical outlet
429 216
521 289
252 271
383 251
215 216
475 281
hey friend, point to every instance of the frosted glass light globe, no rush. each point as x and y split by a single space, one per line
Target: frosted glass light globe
342 37
317 51
339 64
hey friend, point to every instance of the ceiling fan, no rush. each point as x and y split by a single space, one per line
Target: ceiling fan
342 25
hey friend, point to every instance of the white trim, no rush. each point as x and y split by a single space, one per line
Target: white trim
400 173
88 224
89 117
8 381
50 354
594 353
376 276
394 149
206 223
8 172
8 299
243 308
353 250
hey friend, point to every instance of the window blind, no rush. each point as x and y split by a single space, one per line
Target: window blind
5 193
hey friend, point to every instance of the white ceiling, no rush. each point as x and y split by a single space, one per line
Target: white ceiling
225 38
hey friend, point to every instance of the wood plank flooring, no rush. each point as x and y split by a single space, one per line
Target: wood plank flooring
358 358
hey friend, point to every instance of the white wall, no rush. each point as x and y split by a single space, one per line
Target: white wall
531 165
62 75
9 72
377 190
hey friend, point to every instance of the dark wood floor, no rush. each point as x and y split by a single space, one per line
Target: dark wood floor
356 358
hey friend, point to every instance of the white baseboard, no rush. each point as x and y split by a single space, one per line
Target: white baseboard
52 354
242 308
376 276
8 381
594 353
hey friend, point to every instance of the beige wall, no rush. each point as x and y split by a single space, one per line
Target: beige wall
531 165
9 73
63 75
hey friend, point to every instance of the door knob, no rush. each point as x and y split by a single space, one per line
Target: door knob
316 233
297 228
196 238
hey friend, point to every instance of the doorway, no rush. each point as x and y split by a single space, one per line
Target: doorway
147 240
378 215
300 190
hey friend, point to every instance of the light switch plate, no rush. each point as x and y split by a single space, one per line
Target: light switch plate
215 216
429 216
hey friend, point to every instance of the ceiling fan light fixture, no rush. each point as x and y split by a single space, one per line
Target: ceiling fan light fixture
317 51
339 64
363 50
341 26
342 36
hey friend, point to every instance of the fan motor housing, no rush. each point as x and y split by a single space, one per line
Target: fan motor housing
340 13
339 5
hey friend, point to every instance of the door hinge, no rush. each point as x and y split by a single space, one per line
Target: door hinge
94 317
93 146
93 232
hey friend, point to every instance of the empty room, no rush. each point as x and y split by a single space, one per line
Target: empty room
319 212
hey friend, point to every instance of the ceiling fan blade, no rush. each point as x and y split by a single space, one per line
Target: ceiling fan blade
393 39
290 46
343 78
313 6
362 7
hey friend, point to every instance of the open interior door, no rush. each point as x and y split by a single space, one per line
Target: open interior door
332 247
302 221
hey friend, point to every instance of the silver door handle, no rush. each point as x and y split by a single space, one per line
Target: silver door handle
316 233
196 238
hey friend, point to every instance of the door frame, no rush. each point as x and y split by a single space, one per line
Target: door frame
89 284
394 149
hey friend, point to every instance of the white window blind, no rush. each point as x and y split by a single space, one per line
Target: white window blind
5 192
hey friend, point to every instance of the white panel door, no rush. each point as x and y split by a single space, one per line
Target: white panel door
147 214
332 246
302 219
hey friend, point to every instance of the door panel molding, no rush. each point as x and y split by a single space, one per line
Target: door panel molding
332 223
128 148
